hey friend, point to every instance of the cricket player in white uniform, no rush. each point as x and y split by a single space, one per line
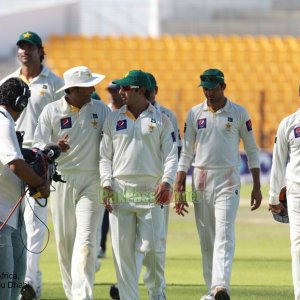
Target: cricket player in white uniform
43 86
75 123
138 165
14 95
285 172
212 136
167 112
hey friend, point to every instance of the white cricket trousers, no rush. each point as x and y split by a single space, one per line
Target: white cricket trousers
35 218
216 196
137 227
140 256
293 200
76 214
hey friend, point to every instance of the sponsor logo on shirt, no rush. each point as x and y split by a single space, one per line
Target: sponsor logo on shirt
121 124
173 136
66 123
297 132
95 116
201 123
249 125
230 119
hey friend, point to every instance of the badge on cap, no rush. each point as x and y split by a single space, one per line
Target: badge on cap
27 35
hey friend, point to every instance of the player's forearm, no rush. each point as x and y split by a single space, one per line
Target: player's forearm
180 179
25 173
256 177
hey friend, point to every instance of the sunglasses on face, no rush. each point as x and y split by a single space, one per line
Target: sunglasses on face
211 78
129 87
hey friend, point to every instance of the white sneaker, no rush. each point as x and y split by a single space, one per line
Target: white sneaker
207 297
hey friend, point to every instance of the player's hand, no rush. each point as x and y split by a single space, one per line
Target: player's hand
163 193
181 204
276 208
107 195
256 198
63 143
43 191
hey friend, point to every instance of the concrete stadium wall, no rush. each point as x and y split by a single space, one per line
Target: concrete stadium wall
45 20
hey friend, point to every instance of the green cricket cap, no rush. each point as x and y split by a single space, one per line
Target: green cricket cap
30 37
135 77
152 81
211 78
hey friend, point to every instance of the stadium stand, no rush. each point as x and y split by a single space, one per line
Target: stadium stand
260 70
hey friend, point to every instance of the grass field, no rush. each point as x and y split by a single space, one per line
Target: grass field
261 269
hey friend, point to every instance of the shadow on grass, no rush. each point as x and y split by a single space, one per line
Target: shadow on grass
185 292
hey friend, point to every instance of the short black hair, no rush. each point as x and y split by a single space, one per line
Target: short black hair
147 94
10 90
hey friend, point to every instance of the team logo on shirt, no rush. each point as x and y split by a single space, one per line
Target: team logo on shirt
66 123
228 124
249 125
201 123
173 136
121 124
297 132
94 122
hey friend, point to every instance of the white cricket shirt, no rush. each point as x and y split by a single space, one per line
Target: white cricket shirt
286 154
43 91
84 127
173 120
214 138
10 184
136 148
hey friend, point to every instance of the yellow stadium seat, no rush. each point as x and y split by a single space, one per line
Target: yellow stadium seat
252 64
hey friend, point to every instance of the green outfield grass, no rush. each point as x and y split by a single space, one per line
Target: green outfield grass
261 269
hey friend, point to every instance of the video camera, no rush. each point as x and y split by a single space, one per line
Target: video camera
42 162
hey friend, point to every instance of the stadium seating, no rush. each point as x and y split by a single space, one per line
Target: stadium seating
258 69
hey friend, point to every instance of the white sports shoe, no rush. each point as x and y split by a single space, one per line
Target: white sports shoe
38 292
207 297
159 297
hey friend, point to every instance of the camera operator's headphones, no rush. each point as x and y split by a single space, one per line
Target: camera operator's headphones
22 100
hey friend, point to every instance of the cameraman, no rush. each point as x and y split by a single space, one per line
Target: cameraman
14 95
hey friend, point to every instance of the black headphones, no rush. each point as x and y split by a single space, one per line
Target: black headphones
22 100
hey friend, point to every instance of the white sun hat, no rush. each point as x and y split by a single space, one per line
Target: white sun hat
80 76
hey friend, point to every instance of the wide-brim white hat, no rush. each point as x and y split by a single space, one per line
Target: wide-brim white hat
80 76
